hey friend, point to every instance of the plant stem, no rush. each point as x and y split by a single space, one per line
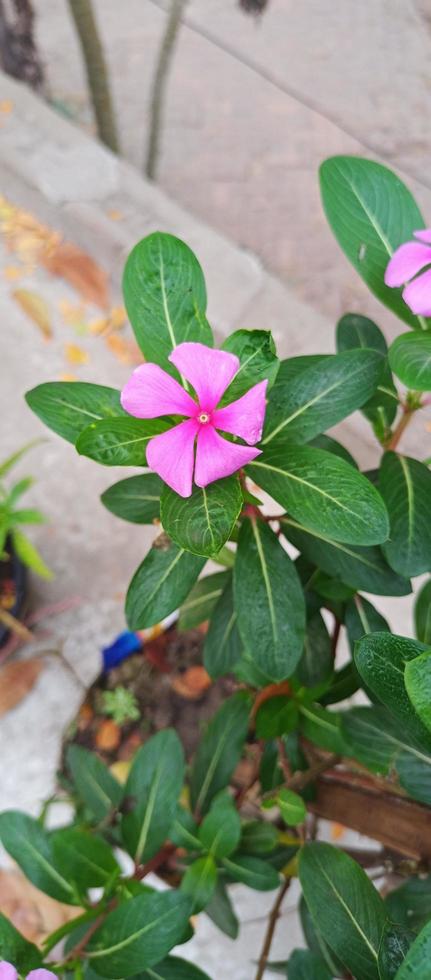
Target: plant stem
269 935
142 870
400 428
159 85
300 779
96 70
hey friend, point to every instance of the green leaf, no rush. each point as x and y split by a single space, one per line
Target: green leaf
161 583
323 492
172 968
360 617
371 213
258 360
136 499
220 911
405 485
69 407
30 846
269 601
153 785
333 446
10 461
322 395
94 783
203 522
17 950
322 727
410 360
258 837
223 646
361 568
119 442
276 716
423 614
317 662
184 831
381 659
252 871
416 965
220 830
83 859
303 965
355 331
138 934
410 904
393 949
315 940
292 807
29 555
165 297
199 882
345 682
219 751
202 600
344 906
417 677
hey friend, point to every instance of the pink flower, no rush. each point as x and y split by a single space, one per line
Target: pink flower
151 392
404 265
8 972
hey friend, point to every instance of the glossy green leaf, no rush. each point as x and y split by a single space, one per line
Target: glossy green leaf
322 395
161 583
135 499
221 912
315 940
394 946
416 965
276 716
154 784
203 522
292 807
199 882
119 442
304 965
333 446
69 407
31 847
410 904
15 949
317 662
252 871
422 613
83 859
345 682
202 600
219 751
417 677
410 360
184 830
360 617
323 492
355 331
258 360
268 600
139 933
345 907
322 727
93 781
220 830
381 659
165 297
361 568
223 646
258 837
371 213
405 485
172 968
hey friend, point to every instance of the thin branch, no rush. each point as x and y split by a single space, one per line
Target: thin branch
269 935
96 70
400 427
159 85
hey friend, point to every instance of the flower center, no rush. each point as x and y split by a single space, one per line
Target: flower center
203 418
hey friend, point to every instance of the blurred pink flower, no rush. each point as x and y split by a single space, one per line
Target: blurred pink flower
404 265
8 972
151 392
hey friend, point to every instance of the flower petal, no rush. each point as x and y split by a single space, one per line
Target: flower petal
406 262
41 974
417 294
7 971
171 455
208 370
216 457
245 416
150 392
424 235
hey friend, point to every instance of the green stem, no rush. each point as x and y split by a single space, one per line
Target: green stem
159 85
96 70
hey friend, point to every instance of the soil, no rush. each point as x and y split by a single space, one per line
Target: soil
12 587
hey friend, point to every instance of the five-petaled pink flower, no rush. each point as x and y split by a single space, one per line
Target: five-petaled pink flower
151 393
8 972
403 267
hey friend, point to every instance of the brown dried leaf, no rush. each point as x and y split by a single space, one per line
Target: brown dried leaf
16 680
36 308
192 684
108 736
34 914
81 271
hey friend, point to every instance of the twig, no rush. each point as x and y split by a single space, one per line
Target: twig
159 85
285 764
335 638
401 427
269 935
142 870
300 779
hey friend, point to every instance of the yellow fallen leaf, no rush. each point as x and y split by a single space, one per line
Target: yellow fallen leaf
36 308
126 351
67 377
75 354
69 262
99 326
121 770
117 317
115 215
16 680
12 272
6 106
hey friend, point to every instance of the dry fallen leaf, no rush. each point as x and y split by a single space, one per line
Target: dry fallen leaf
33 913
36 308
115 215
337 831
192 684
69 262
6 106
108 736
67 376
126 351
13 272
75 354
16 680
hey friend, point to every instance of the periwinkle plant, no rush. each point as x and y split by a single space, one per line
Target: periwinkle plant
257 424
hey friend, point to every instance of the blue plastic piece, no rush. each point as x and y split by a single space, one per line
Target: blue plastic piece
123 646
